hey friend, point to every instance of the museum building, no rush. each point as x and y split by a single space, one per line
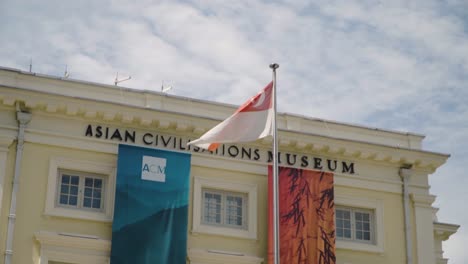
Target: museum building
59 154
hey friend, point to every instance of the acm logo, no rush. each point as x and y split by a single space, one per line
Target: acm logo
153 169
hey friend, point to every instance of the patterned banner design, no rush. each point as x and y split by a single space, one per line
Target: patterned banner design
307 229
151 207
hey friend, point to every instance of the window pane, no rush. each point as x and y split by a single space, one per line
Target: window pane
365 217
75 180
63 199
358 216
80 190
367 236
339 213
64 189
73 200
354 224
339 223
212 207
347 224
89 182
234 210
346 214
74 190
88 192
347 233
366 227
97 203
358 225
339 232
359 235
343 223
65 179
87 202
97 183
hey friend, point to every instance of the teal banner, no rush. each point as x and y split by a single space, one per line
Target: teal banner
151 207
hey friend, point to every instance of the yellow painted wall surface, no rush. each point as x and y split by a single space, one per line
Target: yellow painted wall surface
7 187
32 195
31 201
394 244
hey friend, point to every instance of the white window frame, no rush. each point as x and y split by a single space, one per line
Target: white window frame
108 172
224 195
353 211
250 190
366 204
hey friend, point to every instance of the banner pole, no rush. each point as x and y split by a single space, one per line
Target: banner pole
276 242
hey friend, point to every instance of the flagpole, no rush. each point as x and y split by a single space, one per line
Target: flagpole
276 248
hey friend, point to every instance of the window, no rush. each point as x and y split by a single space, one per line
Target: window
354 224
224 209
359 223
80 190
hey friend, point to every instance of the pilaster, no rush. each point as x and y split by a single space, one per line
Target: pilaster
5 143
423 217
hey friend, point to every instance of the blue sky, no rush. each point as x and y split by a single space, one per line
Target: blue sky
399 65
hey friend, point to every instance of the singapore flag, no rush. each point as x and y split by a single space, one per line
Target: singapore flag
252 121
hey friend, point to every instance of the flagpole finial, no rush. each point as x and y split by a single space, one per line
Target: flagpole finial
274 66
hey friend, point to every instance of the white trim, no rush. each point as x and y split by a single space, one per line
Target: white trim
202 256
249 189
378 225
5 143
72 248
106 169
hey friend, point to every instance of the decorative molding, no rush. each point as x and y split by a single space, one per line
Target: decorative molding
203 256
443 231
423 200
184 121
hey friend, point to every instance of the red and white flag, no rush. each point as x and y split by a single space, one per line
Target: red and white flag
252 121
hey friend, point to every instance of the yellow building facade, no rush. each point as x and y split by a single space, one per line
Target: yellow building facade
51 127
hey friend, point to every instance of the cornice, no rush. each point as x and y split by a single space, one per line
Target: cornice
443 230
423 200
195 125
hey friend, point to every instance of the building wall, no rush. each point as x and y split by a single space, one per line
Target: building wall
58 131
32 196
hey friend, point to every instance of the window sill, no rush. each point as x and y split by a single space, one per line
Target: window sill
223 231
78 214
357 246
201 256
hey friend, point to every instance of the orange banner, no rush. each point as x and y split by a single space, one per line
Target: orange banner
307 211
